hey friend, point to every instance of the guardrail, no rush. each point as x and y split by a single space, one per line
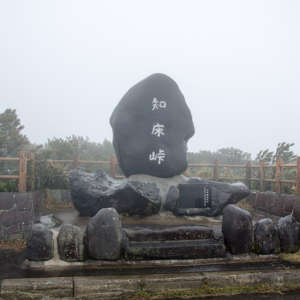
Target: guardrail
24 160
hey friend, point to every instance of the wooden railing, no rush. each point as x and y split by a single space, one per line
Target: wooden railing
28 161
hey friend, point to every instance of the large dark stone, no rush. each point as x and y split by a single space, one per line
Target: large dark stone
94 191
288 231
40 243
237 229
172 242
265 237
208 200
151 126
104 233
71 243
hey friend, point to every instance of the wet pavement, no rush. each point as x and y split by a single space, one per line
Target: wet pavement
72 216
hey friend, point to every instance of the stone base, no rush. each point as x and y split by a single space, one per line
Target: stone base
172 242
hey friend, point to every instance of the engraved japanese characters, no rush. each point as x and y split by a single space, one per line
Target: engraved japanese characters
151 126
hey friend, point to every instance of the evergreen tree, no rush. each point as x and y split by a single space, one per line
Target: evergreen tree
11 139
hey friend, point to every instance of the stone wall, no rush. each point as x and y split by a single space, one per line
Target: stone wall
279 205
18 211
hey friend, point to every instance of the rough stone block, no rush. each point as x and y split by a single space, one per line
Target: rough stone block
296 212
39 201
252 198
265 237
29 206
7 200
279 201
289 204
237 229
270 199
66 196
71 243
277 211
22 200
39 243
13 228
261 200
288 232
57 195
11 217
27 214
269 208
104 232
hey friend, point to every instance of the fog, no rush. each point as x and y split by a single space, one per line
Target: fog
64 66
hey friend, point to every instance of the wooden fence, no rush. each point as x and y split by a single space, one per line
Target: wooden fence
28 161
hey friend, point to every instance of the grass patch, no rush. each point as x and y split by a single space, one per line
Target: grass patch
293 257
17 245
206 290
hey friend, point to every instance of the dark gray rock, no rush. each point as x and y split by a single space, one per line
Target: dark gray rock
104 233
265 237
172 199
71 243
94 191
237 229
151 126
221 195
288 232
40 243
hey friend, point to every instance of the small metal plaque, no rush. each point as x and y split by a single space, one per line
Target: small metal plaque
194 195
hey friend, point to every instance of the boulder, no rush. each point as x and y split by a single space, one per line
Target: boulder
265 237
237 229
40 243
204 197
151 126
93 191
288 232
104 233
71 243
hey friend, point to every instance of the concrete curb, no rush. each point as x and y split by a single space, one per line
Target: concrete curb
96 287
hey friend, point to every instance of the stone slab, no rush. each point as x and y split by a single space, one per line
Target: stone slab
37 288
95 287
174 250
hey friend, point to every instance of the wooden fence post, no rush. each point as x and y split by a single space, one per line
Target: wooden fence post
113 166
248 174
262 185
76 162
31 169
278 176
216 170
297 192
22 171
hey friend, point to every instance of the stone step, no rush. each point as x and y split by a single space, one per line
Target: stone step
188 249
148 233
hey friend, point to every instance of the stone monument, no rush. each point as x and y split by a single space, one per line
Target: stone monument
151 127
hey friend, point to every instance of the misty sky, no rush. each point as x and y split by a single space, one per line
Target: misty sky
64 66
